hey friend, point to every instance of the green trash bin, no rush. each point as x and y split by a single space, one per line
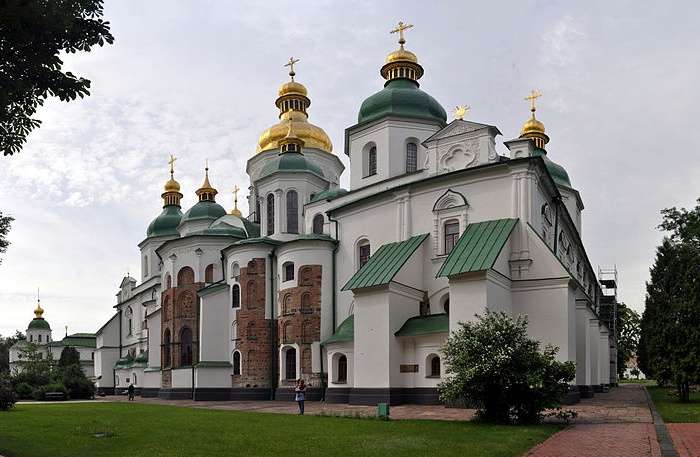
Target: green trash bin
383 410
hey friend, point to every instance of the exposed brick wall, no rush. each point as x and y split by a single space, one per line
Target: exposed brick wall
299 310
254 331
180 309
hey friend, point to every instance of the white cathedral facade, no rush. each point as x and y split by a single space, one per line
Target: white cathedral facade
357 290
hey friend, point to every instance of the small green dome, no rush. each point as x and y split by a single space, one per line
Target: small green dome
330 194
205 209
556 171
166 223
38 323
291 162
402 97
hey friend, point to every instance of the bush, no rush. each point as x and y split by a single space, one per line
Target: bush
23 391
40 392
493 366
76 383
7 394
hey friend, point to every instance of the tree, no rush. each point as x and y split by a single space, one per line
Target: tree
36 370
493 366
628 328
69 356
670 326
5 345
5 223
33 33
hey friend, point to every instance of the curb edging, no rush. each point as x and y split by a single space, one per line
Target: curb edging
662 435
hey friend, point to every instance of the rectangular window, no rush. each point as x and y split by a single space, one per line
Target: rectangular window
372 161
364 254
289 272
451 236
411 158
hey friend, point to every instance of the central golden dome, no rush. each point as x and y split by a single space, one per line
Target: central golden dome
293 102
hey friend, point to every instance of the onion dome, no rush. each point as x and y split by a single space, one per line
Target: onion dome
206 207
401 95
234 226
166 223
39 323
534 130
293 103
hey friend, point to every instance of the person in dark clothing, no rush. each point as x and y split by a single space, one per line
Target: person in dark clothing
130 390
300 394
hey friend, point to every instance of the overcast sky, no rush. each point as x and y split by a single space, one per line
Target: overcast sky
198 79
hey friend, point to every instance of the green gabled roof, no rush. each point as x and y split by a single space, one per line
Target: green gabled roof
212 288
478 247
385 263
345 331
425 325
85 340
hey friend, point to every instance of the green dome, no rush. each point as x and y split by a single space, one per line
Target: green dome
166 223
402 97
290 162
329 194
205 209
556 171
38 323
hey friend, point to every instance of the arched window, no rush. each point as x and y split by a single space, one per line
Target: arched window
270 214
451 235
31 338
292 212
287 304
363 253
185 276
411 158
306 304
186 347
318 224
133 375
236 363
290 364
236 296
257 211
251 332
209 273
235 270
145 266
288 271
250 295
40 333
433 366
287 332
235 336
306 276
342 373
166 348
129 314
372 161
168 281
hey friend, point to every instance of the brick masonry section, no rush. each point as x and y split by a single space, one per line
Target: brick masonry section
686 439
299 322
255 334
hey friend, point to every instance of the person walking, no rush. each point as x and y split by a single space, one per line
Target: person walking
300 394
130 390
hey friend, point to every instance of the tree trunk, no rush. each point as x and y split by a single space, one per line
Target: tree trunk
684 392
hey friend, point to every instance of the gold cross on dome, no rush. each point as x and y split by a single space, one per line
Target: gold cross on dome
461 111
400 30
534 95
290 64
235 192
171 162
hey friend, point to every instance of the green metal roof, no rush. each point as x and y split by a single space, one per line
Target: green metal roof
329 194
86 340
556 171
212 288
166 223
344 333
401 97
478 247
39 323
291 162
425 325
385 263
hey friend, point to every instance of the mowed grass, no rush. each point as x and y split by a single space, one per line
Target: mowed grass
133 430
671 409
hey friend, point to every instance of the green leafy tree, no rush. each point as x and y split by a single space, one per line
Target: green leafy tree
5 224
33 33
628 328
7 394
670 326
36 370
493 366
69 356
5 344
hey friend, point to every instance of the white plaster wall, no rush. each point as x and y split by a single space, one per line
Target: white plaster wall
212 377
334 349
583 345
182 377
468 297
604 347
154 321
415 350
214 327
152 379
594 342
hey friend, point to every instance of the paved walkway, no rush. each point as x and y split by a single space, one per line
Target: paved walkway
613 424
686 439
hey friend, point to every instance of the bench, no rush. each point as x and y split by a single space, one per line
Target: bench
55 396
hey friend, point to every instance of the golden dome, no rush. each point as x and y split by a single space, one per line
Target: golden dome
401 55
532 126
292 87
311 135
39 311
206 192
172 185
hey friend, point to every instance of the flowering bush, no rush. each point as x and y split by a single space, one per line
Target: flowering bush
492 365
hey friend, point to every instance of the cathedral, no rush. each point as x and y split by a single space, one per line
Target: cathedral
356 290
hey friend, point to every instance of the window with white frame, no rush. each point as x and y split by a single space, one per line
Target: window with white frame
364 250
449 219
451 231
411 157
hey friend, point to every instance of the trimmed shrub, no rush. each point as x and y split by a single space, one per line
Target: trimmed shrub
24 391
77 384
493 366
7 394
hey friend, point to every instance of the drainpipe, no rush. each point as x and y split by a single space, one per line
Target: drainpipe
273 327
335 251
114 372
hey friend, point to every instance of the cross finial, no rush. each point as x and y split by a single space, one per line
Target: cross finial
461 111
171 162
235 211
534 95
401 27
290 64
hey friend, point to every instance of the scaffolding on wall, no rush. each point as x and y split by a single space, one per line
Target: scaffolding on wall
607 312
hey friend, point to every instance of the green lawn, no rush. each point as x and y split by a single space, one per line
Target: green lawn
150 430
671 409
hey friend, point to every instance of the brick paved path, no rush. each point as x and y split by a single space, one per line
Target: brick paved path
613 424
686 439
